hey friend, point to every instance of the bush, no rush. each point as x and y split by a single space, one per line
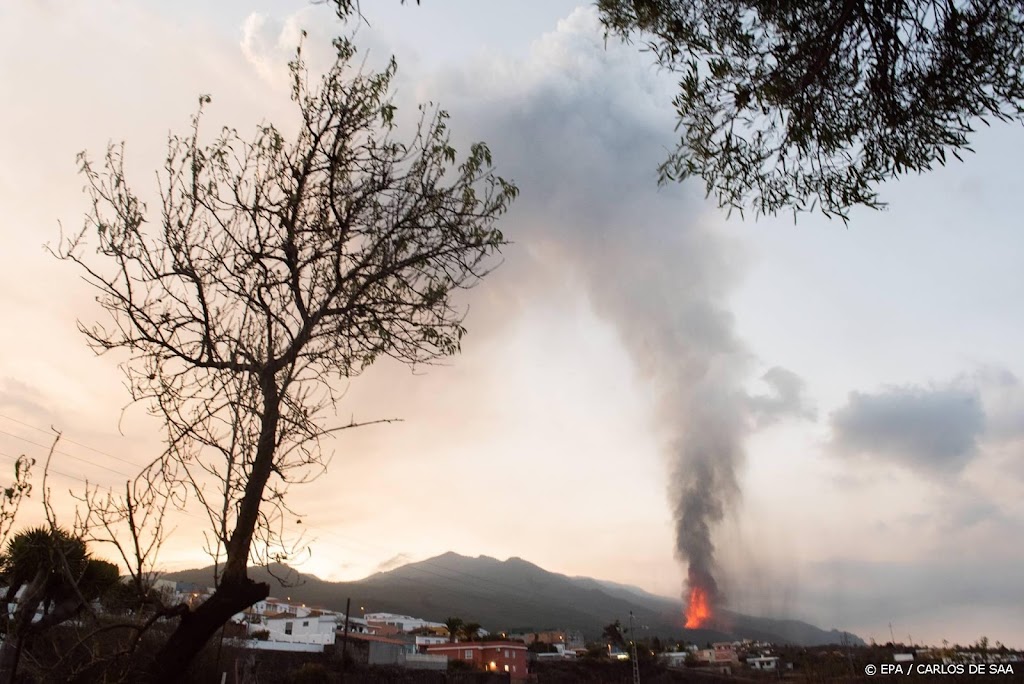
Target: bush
455 665
311 673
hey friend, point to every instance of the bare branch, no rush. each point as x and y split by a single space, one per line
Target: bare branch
273 269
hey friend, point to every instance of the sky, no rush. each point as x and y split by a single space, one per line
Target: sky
872 368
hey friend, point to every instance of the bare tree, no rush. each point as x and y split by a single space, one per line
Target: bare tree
49 577
12 495
133 523
275 267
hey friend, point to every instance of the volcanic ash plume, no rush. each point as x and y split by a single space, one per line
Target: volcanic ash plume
583 139
662 278
705 455
667 300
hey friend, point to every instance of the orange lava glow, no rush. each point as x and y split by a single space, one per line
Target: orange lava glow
698 610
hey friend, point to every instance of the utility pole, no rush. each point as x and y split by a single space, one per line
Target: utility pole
636 664
344 638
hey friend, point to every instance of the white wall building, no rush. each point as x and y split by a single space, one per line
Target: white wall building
424 640
769 663
308 629
406 623
269 607
355 625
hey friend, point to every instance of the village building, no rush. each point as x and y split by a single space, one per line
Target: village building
491 656
763 663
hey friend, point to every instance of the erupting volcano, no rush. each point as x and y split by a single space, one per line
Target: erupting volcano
703 599
698 610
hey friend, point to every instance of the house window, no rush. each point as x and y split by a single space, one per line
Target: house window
506 668
506 653
288 628
469 655
305 623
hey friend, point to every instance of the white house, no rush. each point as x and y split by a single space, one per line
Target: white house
426 640
355 625
308 629
405 623
274 606
769 663
560 653
271 607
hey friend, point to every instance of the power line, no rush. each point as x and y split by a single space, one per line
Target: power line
64 453
427 567
52 470
68 440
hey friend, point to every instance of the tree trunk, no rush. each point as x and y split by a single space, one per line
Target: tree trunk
19 626
249 508
196 627
61 612
236 591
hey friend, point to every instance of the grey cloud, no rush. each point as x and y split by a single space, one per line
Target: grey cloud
787 398
975 513
867 595
934 429
23 398
395 561
970 576
1002 395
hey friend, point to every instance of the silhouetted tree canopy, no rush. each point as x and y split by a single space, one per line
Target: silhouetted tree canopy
471 631
613 633
454 626
804 104
49 577
271 268
792 104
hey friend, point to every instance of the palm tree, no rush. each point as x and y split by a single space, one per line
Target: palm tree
613 633
454 625
52 570
471 630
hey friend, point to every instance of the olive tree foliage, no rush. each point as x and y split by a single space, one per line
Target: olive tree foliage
797 104
273 268
345 9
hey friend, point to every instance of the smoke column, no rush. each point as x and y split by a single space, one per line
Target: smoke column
651 267
582 128
684 341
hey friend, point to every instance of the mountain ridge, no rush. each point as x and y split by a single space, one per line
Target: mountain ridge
516 595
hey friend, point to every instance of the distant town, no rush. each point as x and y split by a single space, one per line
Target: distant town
323 644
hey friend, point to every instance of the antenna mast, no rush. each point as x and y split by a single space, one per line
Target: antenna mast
632 641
